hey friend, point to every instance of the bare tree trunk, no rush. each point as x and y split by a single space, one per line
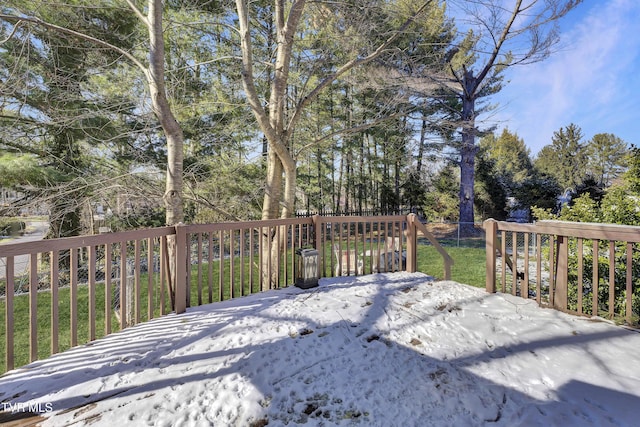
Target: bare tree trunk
276 125
421 145
375 183
162 110
273 190
467 179
361 177
320 200
172 198
339 185
290 178
468 155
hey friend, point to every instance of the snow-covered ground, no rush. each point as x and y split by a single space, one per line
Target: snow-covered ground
391 349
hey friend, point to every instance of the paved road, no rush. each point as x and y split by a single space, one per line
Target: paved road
37 231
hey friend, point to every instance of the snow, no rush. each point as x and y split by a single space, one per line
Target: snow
394 349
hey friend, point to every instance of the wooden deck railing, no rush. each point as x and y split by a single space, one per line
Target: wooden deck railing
63 292
104 272
582 268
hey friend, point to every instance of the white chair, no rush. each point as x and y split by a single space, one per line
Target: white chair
392 244
391 257
347 262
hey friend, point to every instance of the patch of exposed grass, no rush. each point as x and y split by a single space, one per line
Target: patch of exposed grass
469 264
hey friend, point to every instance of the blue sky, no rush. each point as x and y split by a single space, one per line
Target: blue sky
592 80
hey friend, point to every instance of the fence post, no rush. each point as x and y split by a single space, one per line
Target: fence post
491 233
412 243
180 284
562 279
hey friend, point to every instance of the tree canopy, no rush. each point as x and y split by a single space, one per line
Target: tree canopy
261 109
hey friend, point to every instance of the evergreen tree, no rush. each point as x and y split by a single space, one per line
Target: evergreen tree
565 159
414 192
442 202
490 188
540 192
632 175
605 157
54 114
510 156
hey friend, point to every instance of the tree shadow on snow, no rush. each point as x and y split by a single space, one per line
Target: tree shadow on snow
362 368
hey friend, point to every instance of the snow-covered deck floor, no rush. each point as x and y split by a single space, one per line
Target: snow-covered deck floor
380 350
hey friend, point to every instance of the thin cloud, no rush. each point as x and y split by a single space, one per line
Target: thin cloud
586 82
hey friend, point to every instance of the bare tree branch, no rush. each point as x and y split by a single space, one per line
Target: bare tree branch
138 13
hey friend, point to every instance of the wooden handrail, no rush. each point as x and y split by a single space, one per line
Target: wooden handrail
448 261
566 259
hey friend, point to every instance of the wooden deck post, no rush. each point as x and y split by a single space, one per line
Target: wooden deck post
412 243
181 284
491 238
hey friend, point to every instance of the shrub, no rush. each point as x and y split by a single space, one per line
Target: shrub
11 227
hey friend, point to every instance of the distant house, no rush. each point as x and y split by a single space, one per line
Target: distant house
12 203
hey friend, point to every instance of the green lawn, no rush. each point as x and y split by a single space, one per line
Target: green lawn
469 264
44 304
21 323
468 268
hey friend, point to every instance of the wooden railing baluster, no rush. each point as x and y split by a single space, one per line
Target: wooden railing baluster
33 307
91 280
136 282
514 260
580 252
54 285
242 261
612 278
629 283
163 273
210 266
199 266
221 265
232 258
8 314
73 284
538 269
150 276
108 271
503 245
595 277
525 273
